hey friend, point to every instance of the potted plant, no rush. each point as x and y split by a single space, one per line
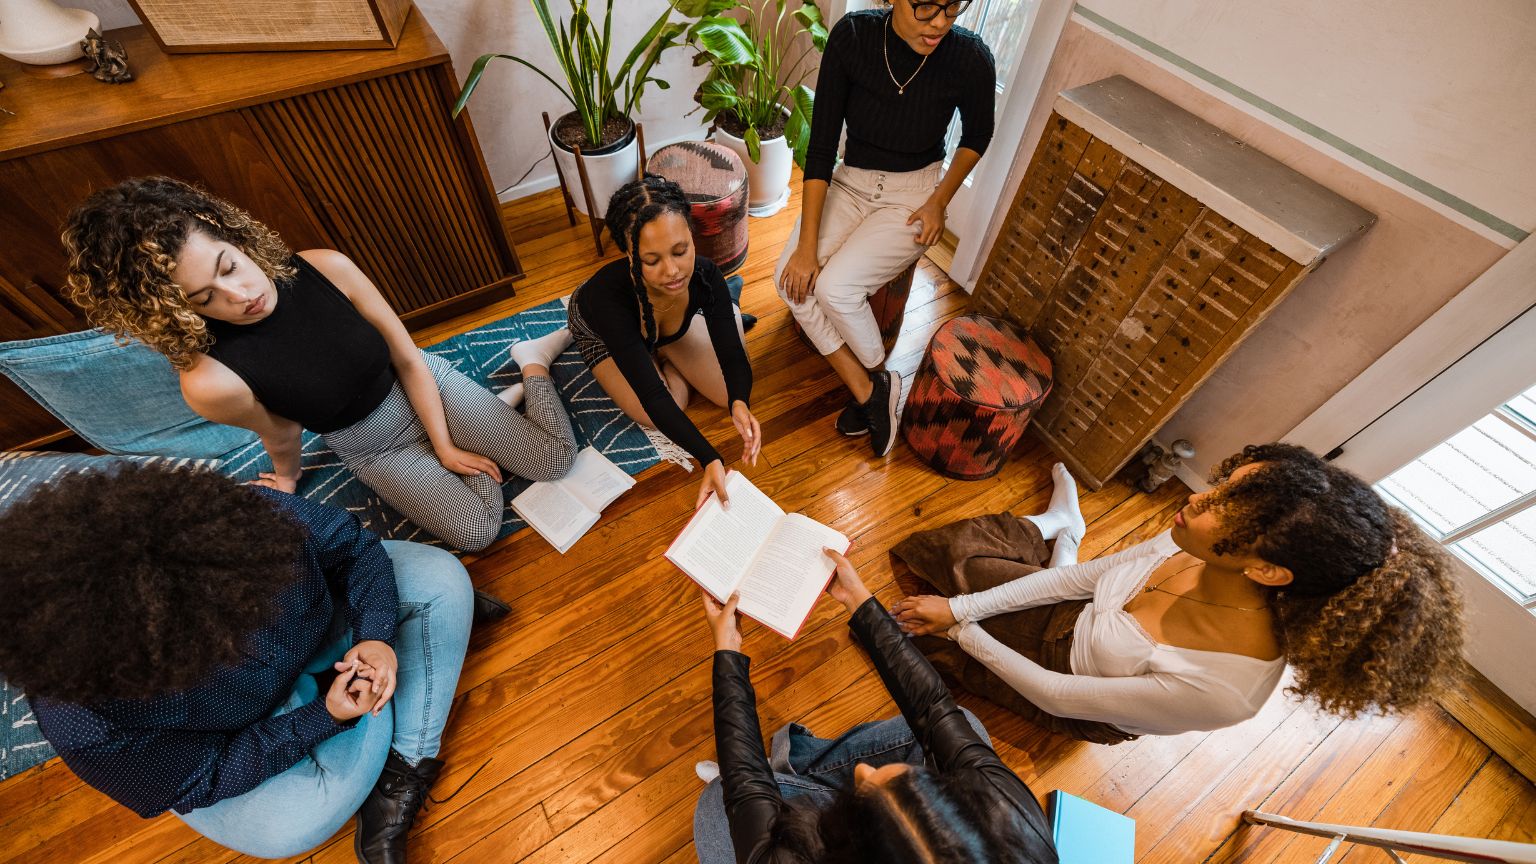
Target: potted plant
765 119
603 103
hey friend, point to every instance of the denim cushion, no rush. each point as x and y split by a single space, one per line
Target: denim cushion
123 399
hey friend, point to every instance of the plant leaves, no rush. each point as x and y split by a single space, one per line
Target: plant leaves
754 144
716 95
809 16
701 8
478 70
725 41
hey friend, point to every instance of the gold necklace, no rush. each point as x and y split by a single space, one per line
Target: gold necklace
1159 587
885 46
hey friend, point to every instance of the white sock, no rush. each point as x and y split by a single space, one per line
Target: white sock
1063 514
543 350
512 395
707 770
1065 550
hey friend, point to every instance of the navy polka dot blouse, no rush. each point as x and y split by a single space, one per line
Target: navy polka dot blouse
215 741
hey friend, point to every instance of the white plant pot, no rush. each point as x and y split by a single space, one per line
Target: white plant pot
605 172
40 33
767 178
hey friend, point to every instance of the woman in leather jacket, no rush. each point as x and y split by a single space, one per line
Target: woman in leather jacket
925 786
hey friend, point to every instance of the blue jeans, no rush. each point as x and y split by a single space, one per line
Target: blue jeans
302 807
809 767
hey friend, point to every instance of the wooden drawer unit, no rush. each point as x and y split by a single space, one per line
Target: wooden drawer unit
351 150
1142 247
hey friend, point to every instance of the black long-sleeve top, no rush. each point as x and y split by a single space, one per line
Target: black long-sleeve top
607 302
887 130
753 804
199 746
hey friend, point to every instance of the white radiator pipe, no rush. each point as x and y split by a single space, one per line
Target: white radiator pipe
1445 846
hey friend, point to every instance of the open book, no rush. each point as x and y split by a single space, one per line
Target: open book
565 509
773 558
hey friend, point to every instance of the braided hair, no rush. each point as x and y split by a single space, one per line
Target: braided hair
631 207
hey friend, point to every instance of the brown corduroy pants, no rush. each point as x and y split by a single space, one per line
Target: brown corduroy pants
974 555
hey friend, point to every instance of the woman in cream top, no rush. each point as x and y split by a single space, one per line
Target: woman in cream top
1286 560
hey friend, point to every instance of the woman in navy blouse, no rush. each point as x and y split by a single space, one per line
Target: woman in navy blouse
260 664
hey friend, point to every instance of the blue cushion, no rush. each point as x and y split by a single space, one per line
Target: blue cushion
122 398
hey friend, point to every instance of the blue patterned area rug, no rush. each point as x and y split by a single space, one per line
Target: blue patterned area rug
485 356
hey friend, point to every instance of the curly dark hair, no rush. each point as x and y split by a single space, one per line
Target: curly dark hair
917 817
122 245
632 206
1373 618
137 580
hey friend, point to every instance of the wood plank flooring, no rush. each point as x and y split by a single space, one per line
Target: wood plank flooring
579 719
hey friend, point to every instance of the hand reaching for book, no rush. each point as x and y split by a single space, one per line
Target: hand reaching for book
846 587
751 431
723 621
714 481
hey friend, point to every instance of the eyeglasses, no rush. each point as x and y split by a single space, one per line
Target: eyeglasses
930 11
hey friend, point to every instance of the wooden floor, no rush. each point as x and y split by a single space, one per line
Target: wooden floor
579 718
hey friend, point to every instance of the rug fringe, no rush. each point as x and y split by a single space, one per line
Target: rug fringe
667 449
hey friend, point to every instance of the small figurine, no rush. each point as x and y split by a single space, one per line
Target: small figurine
1161 464
105 59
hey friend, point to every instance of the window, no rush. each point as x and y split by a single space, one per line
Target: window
1001 25
1476 493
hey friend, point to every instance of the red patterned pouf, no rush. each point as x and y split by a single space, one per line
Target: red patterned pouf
980 381
715 181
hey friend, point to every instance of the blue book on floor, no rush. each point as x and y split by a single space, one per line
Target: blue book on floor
1086 833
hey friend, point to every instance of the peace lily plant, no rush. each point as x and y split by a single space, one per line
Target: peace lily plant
754 92
746 55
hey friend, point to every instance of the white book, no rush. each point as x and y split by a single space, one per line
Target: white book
563 510
773 558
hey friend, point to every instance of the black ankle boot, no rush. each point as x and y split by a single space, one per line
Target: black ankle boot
385 818
488 609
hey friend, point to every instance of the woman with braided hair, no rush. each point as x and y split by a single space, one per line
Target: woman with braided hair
1286 561
660 323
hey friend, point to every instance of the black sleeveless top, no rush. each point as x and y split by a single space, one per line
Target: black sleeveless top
315 360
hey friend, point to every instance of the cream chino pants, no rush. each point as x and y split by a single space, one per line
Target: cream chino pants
864 243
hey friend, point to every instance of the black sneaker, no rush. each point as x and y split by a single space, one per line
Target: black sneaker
882 410
851 421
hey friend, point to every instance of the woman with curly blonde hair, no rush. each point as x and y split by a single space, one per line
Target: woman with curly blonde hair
277 342
1286 561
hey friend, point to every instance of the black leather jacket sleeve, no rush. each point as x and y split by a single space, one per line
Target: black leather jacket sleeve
752 801
947 738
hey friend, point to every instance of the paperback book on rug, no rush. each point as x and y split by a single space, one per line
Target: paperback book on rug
564 510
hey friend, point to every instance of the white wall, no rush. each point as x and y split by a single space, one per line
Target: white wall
1443 92
505 108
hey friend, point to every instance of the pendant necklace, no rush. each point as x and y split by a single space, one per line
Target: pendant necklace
1159 587
885 46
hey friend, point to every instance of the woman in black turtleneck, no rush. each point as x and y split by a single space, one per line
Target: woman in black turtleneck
895 76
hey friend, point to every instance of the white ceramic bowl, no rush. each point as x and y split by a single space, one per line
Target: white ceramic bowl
63 48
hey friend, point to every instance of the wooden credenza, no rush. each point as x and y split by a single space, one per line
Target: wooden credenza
349 150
